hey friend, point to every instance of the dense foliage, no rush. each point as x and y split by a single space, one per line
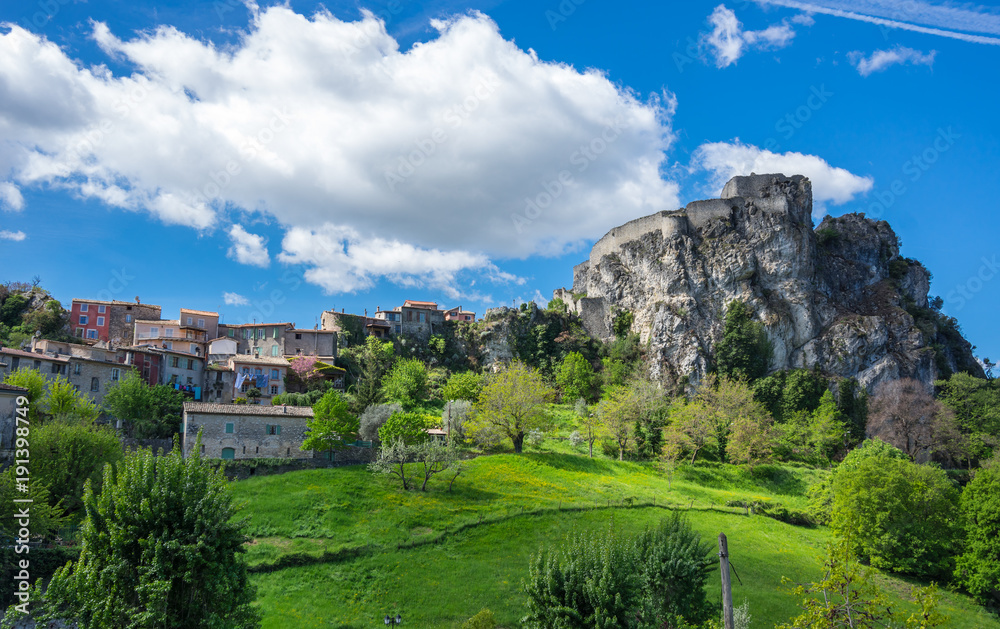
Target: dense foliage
897 514
978 567
147 412
67 456
510 406
604 581
744 351
332 426
160 548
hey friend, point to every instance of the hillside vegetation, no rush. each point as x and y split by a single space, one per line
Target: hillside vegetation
342 548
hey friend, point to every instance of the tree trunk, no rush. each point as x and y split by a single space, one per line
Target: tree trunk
621 452
591 449
518 440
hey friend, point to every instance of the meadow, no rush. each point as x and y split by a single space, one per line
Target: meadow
342 548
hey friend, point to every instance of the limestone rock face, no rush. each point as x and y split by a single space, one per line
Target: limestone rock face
840 297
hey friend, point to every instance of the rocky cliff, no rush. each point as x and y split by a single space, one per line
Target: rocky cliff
839 297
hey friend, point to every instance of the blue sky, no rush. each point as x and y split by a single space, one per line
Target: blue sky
274 161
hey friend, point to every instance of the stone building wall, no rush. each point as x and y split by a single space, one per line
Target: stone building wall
252 427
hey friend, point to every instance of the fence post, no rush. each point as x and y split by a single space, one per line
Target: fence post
727 586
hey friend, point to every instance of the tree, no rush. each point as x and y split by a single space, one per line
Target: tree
976 404
464 385
588 422
692 427
435 457
978 567
64 402
575 377
161 547
47 514
374 360
897 514
67 456
409 428
453 418
35 383
406 383
904 414
745 351
751 435
145 412
674 444
512 404
848 596
730 403
332 426
618 412
391 460
374 417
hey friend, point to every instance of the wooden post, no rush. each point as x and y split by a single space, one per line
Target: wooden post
727 587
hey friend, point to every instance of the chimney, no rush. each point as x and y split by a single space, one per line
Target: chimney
341 311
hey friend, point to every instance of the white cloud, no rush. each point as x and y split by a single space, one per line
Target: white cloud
248 248
728 41
966 22
725 160
329 127
10 197
882 59
235 299
17 236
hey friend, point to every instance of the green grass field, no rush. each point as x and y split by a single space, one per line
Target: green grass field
341 548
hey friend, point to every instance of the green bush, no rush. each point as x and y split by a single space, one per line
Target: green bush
655 580
483 620
897 514
978 568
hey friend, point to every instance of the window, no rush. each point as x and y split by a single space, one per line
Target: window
175 362
154 332
100 309
95 384
257 371
274 389
83 319
91 334
169 345
260 333
169 333
298 350
128 318
274 350
100 322
274 374
232 333
115 373
55 367
83 307
275 333
190 363
190 380
420 317
273 430
298 337
79 332
201 323
398 330
14 362
76 369
190 320
245 370
409 315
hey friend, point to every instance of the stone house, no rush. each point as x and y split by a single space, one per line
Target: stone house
346 326
49 365
241 431
108 321
457 314
265 372
8 414
281 339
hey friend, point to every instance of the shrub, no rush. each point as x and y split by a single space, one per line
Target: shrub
374 417
655 580
897 514
978 568
483 620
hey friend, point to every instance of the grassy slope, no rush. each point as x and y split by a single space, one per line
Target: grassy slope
302 514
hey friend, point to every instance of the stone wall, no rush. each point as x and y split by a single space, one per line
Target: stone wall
251 437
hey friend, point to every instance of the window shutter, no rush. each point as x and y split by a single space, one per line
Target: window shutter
279 430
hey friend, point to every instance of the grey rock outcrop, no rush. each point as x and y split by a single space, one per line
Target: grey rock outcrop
840 297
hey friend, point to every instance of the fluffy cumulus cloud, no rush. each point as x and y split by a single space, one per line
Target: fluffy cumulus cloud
17 236
883 59
235 299
248 248
414 165
728 41
724 160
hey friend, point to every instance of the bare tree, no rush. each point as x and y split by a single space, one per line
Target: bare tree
904 414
